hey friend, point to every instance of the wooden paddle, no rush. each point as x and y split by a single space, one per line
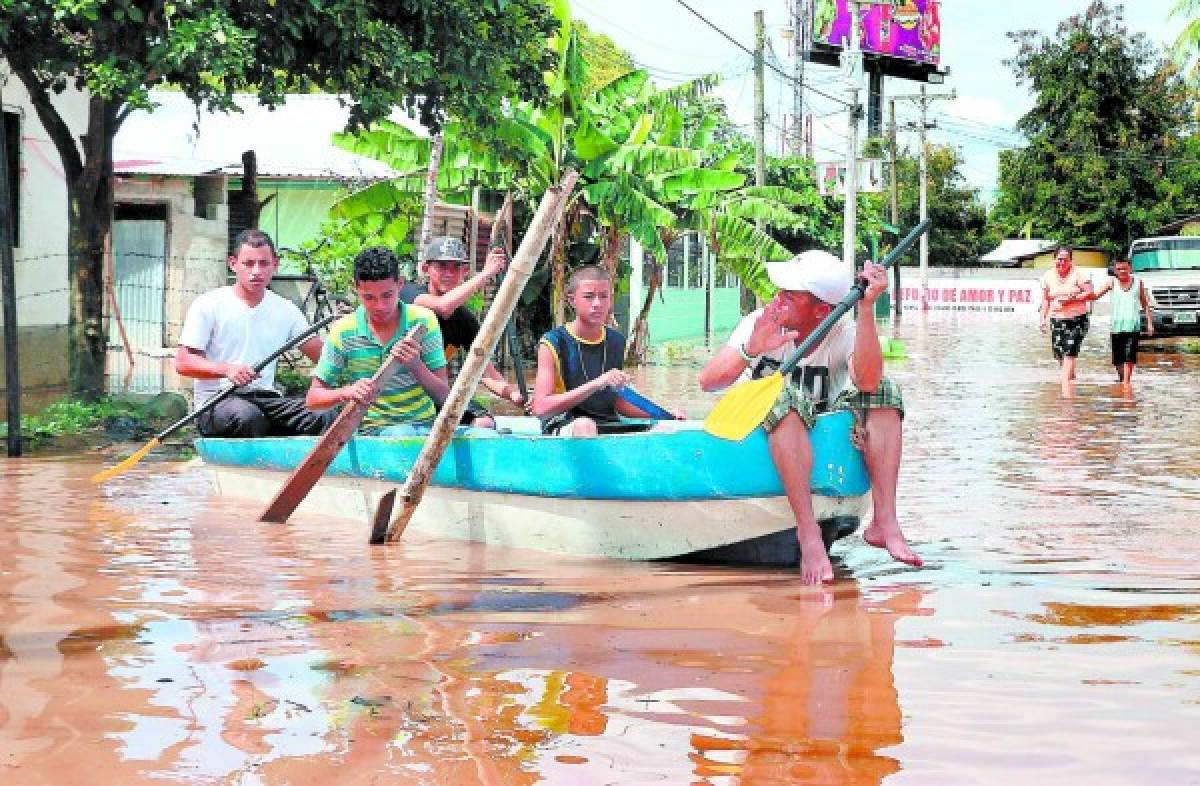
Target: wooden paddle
554 201
309 471
112 472
744 407
501 237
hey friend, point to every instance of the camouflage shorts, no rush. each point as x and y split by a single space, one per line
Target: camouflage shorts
795 398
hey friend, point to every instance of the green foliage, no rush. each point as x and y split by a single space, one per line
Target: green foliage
961 232
606 61
1187 45
427 56
70 416
431 58
623 137
1110 154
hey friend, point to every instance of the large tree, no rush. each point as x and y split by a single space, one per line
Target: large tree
961 233
1107 135
431 57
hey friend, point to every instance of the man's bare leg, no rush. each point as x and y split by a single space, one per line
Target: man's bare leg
1068 368
791 452
883 466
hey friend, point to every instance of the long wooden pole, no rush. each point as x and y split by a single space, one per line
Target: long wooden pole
553 203
501 236
8 288
431 177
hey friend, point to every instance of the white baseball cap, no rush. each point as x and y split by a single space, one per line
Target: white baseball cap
818 272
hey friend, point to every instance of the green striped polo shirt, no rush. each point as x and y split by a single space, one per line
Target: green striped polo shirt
352 353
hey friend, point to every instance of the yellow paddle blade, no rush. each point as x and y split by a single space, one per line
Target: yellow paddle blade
743 408
112 472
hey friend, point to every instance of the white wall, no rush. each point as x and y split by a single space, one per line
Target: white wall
41 259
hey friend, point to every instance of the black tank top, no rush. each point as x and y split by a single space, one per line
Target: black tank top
579 362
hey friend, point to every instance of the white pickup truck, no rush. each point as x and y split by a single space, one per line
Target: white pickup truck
1170 269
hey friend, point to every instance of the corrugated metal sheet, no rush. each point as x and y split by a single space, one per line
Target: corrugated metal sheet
293 140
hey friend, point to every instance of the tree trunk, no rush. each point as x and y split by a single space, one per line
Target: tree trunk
558 272
431 177
610 252
90 202
635 353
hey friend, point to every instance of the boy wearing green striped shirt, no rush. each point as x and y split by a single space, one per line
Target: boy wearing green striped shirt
354 351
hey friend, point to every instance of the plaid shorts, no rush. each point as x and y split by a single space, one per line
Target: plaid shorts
795 398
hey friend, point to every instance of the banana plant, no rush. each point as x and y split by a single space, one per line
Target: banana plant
643 175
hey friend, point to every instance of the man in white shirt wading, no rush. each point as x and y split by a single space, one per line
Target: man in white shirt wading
844 371
228 331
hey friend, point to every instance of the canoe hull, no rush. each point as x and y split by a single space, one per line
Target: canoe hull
730 531
677 493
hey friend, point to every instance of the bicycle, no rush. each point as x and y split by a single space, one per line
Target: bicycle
316 304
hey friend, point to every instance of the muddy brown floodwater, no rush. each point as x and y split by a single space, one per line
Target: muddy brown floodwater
150 632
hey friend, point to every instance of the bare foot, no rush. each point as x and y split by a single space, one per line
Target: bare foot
815 567
892 539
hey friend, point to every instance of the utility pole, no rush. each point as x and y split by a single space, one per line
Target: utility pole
8 283
852 70
924 100
748 303
800 44
895 201
760 112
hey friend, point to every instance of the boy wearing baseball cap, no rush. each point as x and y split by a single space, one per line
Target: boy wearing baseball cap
446 290
843 372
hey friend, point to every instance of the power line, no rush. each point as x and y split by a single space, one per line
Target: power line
657 44
741 46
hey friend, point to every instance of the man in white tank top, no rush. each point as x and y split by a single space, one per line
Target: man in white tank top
228 331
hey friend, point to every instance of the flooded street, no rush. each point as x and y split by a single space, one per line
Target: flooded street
150 632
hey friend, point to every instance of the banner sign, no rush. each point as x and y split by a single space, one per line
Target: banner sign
979 295
907 29
831 177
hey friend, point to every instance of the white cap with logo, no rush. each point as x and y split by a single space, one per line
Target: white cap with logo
818 272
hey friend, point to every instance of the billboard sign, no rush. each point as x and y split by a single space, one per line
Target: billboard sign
905 29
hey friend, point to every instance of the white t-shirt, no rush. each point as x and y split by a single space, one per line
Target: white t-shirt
225 329
824 373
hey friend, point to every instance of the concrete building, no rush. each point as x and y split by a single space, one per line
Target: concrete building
40 212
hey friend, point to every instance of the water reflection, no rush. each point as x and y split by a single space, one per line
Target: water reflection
152 632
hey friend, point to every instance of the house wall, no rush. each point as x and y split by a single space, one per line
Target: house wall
297 210
678 317
41 258
196 245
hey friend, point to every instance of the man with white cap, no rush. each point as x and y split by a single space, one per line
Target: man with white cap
844 371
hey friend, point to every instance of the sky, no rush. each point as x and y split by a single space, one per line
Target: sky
675 45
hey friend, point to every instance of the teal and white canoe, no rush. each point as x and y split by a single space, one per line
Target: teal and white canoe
674 493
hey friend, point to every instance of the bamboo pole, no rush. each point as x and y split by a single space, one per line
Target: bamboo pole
431 178
532 245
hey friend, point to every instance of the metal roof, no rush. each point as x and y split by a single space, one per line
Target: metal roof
293 140
1008 250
